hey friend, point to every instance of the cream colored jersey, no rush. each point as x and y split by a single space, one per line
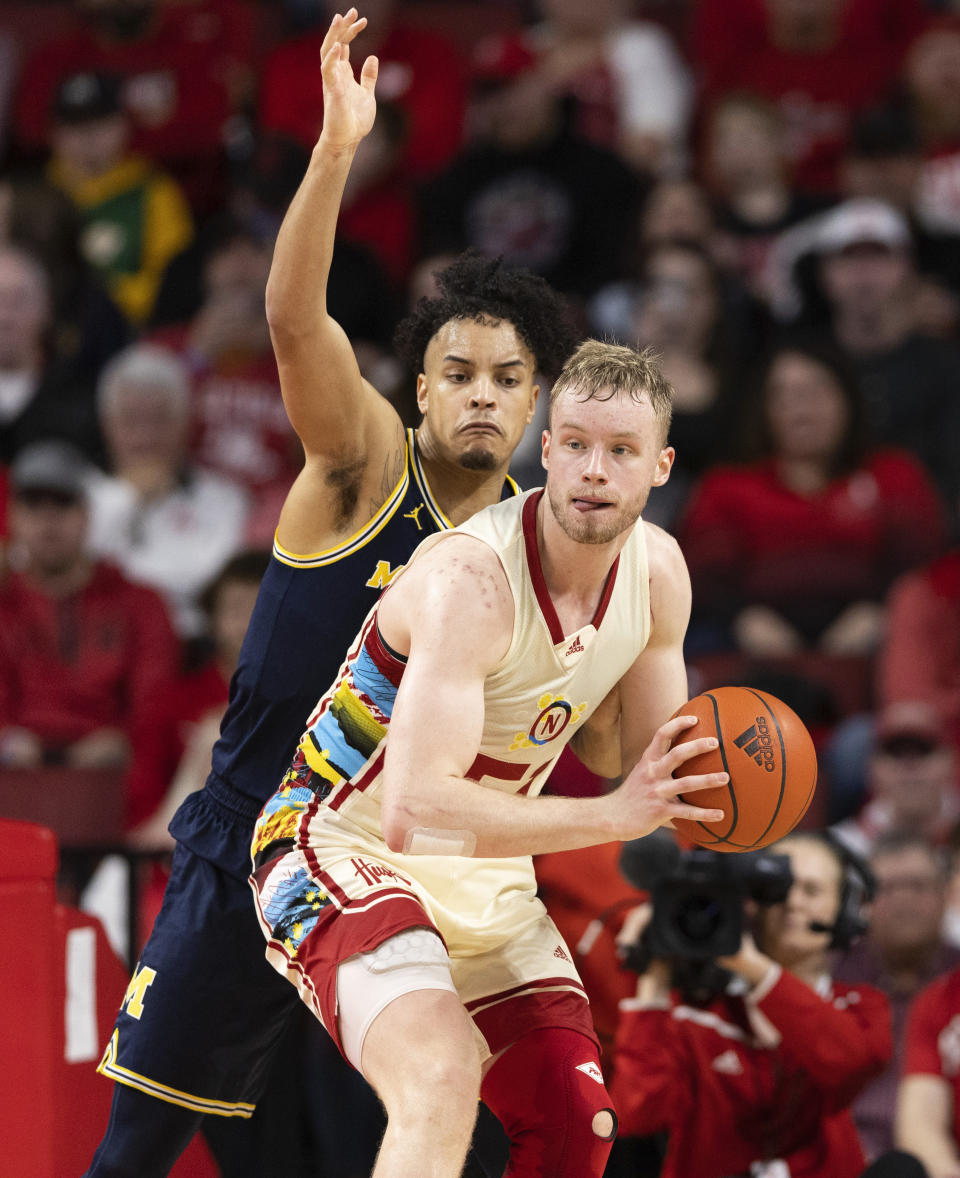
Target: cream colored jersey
543 690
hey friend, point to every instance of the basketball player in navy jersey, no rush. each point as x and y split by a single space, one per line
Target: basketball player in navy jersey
203 1014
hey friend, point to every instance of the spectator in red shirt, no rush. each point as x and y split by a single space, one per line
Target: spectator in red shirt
820 61
421 72
630 86
928 1107
920 656
84 653
767 1071
173 757
796 549
240 428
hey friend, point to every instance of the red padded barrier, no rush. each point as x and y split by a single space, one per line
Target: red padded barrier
60 987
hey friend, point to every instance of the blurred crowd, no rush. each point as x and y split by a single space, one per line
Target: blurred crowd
765 191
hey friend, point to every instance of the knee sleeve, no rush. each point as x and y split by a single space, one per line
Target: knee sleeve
548 1092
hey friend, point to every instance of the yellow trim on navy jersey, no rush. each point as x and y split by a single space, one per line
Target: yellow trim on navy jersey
431 504
108 1066
358 539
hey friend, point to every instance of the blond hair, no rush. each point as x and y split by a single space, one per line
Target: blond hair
602 370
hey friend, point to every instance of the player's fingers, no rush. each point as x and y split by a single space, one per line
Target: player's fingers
667 733
695 813
368 75
689 785
687 750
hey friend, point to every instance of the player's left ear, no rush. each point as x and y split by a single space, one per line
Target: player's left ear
545 449
664 466
531 408
422 393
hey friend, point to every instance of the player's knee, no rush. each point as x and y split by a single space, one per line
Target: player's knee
604 1124
549 1093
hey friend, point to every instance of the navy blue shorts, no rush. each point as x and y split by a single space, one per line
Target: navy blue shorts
204 1012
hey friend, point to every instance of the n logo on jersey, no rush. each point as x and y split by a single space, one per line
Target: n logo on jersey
554 717
383 574
136 991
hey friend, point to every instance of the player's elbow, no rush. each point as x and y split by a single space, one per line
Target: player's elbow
396 820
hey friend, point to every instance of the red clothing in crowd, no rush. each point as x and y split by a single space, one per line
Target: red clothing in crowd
163 742
240 427
817 93
420 72
181 81
100 658
767 1076
921 654
748 537
933 1036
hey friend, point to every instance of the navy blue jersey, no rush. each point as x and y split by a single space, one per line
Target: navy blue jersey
308 610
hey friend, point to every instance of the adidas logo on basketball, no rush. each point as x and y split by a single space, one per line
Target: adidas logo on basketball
575 647
757 742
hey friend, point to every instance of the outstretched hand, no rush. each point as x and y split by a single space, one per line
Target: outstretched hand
349 106
651 796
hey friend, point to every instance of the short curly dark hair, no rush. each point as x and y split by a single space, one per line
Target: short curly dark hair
474 287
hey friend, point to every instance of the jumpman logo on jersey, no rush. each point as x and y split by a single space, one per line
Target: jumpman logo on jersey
414 516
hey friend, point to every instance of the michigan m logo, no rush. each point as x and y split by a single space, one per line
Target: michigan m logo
133 999
383 574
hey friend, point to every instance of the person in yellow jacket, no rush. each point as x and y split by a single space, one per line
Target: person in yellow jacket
135 216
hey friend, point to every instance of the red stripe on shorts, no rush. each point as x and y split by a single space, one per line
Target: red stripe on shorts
537 983
509 1019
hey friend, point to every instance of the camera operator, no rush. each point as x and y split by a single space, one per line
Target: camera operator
757 1079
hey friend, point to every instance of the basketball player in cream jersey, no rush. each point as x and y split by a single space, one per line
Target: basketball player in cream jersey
392 869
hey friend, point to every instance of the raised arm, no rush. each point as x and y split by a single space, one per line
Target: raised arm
454 613
351 435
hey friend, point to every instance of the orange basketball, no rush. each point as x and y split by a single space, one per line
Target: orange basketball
770 757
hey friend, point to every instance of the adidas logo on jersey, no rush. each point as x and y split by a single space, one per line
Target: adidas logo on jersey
575 647
757 743
591 1070
728 1064
558 952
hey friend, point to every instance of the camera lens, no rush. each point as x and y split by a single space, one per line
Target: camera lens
699 917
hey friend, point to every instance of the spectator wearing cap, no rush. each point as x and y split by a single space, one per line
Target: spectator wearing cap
903 951
913 780
528 187
183 71
135 217
920 657
883 160
865 273
41 395
84 653
160 518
